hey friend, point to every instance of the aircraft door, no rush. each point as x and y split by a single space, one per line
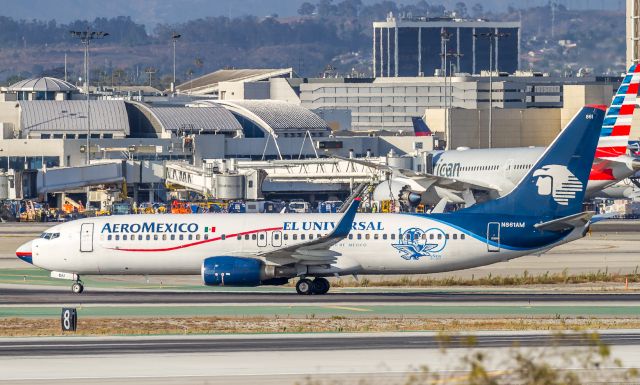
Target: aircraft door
276 239
493 237
86 237
262 239
428 164
508 168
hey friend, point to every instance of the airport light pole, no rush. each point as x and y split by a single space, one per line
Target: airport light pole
86 37
493 37
449 55
444 39
174 37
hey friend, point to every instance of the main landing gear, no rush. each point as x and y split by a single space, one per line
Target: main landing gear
77 287
319 285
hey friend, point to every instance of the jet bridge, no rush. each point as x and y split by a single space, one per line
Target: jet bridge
70 178
206 179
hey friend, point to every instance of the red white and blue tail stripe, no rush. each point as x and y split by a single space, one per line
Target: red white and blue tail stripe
614 136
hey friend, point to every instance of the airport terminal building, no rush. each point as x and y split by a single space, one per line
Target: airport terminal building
421 46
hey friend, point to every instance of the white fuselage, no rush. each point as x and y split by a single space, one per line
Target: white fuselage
503 168
178 244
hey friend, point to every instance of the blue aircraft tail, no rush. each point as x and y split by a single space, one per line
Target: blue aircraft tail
420 128
555 185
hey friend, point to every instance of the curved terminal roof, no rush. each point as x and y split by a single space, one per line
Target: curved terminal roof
70 116
274 115
208 84
196 119
48 84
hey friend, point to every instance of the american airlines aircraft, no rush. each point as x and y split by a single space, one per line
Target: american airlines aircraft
470 175
544 210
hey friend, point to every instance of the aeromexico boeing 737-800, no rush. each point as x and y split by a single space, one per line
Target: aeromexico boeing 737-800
544 210
448 175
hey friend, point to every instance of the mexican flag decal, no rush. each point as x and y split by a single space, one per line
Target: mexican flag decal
209 229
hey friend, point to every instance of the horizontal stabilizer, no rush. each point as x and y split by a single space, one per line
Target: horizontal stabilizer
566 223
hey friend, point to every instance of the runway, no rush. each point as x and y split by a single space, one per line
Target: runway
277 343
375 359
34 295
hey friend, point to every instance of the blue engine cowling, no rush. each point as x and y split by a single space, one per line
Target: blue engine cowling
231 271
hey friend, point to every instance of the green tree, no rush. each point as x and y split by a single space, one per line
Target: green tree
306 9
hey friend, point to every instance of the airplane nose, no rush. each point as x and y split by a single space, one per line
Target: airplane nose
24 252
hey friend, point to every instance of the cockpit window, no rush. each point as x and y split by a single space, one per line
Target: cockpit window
49 235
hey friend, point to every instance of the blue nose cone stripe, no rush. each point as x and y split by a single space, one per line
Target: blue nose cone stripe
27 257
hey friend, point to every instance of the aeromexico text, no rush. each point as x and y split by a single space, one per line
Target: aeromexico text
154 227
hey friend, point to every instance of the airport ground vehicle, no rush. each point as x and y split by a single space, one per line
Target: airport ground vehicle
544 210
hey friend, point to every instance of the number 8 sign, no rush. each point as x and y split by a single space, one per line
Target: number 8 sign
69 319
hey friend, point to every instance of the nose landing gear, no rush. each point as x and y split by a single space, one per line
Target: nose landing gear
77 287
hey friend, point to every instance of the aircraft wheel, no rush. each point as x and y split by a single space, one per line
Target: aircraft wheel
321 286
77 288
304 286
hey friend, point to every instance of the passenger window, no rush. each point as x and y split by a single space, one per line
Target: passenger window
190 236
375 236
302 237
155 237
181 236
295 237
446 236
359 236
310 236
393 236
276 236
197 237
173 237
261 237
246 237
439 236
117 237
350 236
206 236
286 237
367 236
254 237
164 237
140 237
124 237
148 237
223 237
462 236
109 237
424 236
384 236
431 236
455 236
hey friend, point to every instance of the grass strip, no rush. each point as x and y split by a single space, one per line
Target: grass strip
15 327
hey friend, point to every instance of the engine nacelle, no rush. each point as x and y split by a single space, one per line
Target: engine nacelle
238 271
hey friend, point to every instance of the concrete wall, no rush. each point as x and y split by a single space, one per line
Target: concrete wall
10 114
282 90
577 96
511 127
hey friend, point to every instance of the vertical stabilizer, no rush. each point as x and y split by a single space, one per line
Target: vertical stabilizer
555 185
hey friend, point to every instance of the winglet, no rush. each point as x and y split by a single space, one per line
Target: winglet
343 227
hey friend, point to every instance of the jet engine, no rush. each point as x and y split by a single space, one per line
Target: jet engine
238 271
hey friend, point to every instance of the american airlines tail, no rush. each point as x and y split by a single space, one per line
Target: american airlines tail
420 128
614 136
555 186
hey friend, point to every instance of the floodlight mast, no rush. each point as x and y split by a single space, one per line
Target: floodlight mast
85 37
174 37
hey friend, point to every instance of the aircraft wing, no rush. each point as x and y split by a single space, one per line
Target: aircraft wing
316 252
566 223
426 180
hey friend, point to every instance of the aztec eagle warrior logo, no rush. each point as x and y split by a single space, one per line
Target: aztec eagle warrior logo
415 243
